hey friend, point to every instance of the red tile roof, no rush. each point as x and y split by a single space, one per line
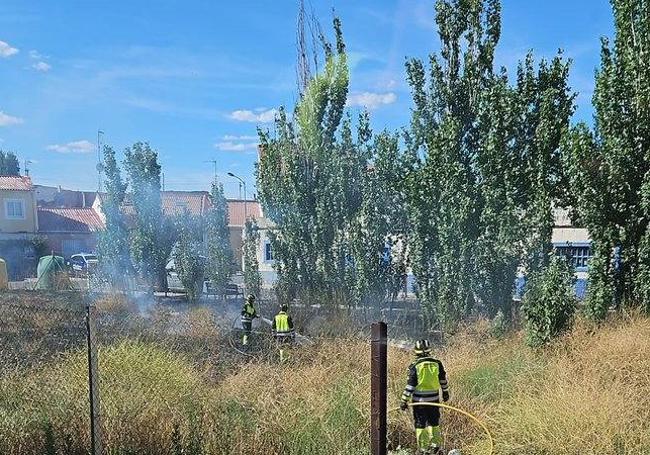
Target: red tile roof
236 216
69 220
178 202
16 183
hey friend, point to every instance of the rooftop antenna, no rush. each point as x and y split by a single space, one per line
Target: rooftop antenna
26 163
100 134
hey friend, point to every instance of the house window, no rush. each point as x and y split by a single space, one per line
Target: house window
15 209
579 255
268 252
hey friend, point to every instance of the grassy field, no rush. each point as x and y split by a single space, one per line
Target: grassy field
587 394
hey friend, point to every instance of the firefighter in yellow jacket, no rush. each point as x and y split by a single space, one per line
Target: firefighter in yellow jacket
248 313
426 380
282 328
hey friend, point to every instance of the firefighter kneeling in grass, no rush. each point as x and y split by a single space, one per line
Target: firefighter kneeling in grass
282 328
426 378
248 313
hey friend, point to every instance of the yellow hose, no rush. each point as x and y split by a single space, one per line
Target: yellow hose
460 411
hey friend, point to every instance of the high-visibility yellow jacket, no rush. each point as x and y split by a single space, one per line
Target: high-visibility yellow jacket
426 378
282 325
248 313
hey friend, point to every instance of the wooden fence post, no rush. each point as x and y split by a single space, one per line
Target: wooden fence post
379 388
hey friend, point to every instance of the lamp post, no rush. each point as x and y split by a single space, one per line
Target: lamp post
244 185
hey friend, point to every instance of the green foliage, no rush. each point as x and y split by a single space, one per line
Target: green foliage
252 277
484 167
188 262
331 194
9 163
549 303
220 254
113 242
153 235
609 165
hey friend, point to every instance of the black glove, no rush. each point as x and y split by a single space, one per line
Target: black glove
445 396
404 406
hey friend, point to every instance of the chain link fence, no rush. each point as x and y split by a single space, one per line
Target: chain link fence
170 377
43 376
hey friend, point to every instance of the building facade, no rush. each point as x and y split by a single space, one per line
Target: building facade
18 225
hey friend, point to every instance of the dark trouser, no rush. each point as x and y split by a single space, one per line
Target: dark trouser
426 416
427 429
247 326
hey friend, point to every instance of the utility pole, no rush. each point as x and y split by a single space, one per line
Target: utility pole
242 183
214 163
100 133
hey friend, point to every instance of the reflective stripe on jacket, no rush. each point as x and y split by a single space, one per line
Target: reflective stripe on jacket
426 377
282 325
248 313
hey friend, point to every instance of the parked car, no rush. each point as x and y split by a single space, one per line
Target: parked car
82 263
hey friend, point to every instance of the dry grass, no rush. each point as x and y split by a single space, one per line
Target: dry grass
587 394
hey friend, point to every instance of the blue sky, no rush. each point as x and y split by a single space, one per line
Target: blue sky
195 78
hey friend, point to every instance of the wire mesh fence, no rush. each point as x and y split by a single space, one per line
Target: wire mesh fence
172 377
43 382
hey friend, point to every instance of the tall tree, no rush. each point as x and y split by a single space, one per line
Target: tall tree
609 165
220 254
442 188
9 163
483 165
302 183
153 235
251 241
188 262
113 240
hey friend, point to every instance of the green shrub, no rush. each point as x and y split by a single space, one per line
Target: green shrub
549 302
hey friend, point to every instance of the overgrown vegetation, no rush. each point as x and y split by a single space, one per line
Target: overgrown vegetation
164 394
549 303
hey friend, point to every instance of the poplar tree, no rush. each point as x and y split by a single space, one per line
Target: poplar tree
483 165
303 186
153 235
220 254
113 242
609 166
252 277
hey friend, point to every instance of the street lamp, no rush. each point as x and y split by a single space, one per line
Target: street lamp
244 185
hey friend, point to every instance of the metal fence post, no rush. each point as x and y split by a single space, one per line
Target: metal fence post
93 384
378 388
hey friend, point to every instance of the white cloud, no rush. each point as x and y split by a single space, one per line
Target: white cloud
231 143
6 50
257 116
82 146
35 55
230 137
42 67
371 100
8 120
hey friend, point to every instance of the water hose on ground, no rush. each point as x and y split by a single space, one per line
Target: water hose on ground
460 411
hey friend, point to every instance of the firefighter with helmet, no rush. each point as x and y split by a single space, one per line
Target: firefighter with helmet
426 381
248 313
282 328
